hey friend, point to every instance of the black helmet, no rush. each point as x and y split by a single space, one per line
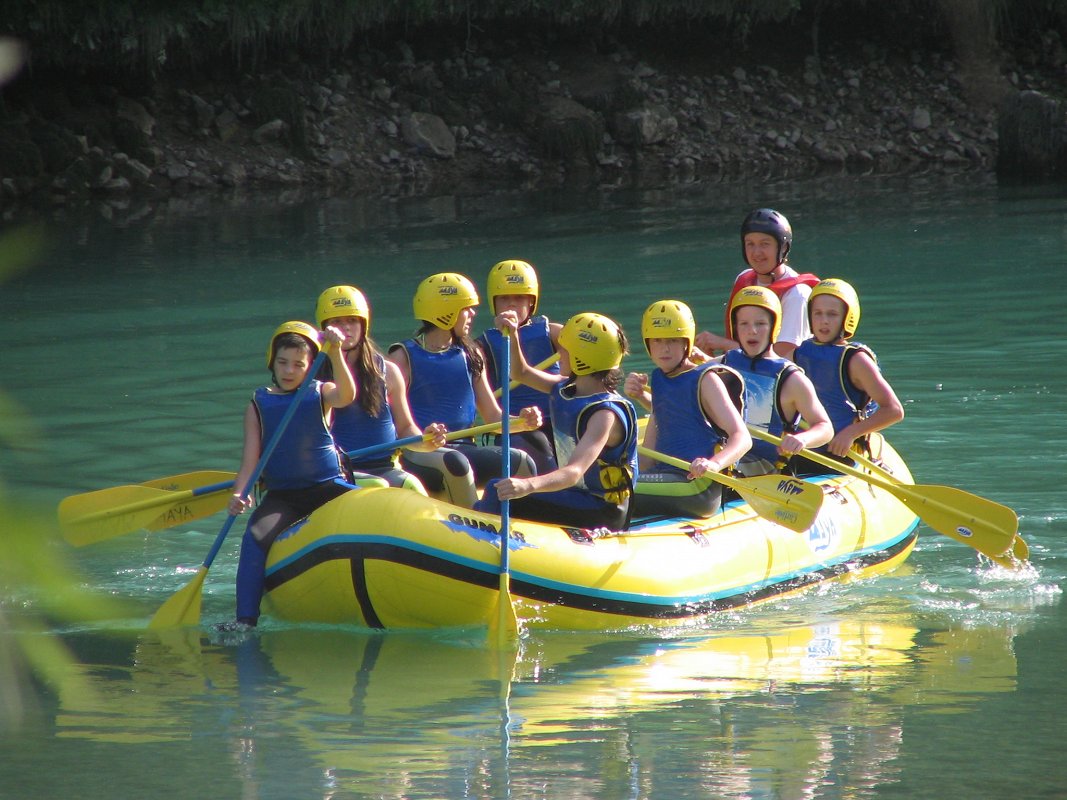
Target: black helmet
769 221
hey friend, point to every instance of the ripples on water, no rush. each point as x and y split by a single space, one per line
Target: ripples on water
927 677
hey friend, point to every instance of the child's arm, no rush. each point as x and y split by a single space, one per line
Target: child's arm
253 447
866 376
342 390
719 408
799 396
401 411
521 371
603 427
484 399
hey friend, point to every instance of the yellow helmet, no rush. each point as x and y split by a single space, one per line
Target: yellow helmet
761 297
843 291
595 343
668 319
512 277
300 329
343 301
440 298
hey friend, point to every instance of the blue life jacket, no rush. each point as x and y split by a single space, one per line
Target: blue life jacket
306 454
353 428
764 376
827 367
440 389
683 430
612 475
536 343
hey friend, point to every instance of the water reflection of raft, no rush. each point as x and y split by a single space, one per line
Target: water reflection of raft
389 558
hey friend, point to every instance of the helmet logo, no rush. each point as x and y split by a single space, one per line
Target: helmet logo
587 336
448 291
661 322
342 302
517 279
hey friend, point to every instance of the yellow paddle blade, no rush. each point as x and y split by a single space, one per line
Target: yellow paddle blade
504 625
183 607
988 527
107 513
788 501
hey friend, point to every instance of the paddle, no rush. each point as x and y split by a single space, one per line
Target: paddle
504 625
464 433
1020 550
183 607
790 502
548 362
154 505
164 502
988 527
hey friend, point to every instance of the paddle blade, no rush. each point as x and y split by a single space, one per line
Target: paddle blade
504 624
790 502
988 527
183 607
107 513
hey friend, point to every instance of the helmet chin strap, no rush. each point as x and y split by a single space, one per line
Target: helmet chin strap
677 366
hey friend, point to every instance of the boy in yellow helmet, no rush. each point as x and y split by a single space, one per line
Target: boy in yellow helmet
595 431
513 286
304 471
858 399
778 396
695 417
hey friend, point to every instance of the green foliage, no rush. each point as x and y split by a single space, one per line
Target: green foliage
34 573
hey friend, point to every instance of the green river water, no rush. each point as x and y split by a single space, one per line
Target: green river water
132 349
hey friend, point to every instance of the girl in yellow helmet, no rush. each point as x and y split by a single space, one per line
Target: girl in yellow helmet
304 471
595 431
695 417
380 414
778 396
446 383
850 385
513 286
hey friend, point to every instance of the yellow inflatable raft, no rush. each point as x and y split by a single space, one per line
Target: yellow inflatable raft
390 558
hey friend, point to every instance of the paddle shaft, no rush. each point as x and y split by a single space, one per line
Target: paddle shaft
504 624
499 392
154 502
268 451
505 460
374 449
718 477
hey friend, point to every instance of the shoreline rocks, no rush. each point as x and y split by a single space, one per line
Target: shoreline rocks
508 118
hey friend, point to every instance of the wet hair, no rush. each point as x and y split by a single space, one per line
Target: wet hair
368 373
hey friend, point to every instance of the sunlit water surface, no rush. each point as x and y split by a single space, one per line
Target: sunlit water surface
134 348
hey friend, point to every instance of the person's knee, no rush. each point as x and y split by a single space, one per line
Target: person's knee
523 466
456 464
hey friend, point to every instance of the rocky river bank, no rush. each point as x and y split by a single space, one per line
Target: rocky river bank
403 120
